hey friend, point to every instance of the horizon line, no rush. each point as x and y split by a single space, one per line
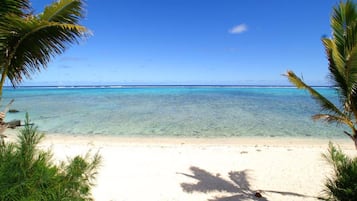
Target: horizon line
156 85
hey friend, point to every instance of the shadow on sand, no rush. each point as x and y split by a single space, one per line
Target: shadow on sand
237 186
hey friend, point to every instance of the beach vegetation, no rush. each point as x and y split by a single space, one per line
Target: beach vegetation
342 186
28 41
29 173
341 52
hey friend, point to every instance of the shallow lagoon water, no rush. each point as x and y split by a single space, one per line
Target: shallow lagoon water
173 111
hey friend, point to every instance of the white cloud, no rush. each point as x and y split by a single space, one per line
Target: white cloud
238 29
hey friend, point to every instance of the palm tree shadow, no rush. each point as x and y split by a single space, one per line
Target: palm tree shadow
237 185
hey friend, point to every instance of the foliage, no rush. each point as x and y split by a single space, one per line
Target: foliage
28 173
16 7
29 41
343 185
341 51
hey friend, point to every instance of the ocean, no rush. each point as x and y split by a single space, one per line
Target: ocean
173 111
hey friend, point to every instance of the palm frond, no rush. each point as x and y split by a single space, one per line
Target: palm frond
337 74
343 24
32 43
338 25
10 8
341 52
64 11
28 42
14 7
324 103
352 62
335 55
333 119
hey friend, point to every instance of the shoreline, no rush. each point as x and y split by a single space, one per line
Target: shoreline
286 141
251 141
239 141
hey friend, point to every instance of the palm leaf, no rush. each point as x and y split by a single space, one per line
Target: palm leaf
9 7
343 24
341 53
324 103
337 25
35 43
64 11
27 44
352 63
14 7
336 75
332 119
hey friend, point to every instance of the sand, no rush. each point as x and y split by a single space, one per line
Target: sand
170 169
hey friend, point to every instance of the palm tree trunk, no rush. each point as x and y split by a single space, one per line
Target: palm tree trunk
2 82
354 138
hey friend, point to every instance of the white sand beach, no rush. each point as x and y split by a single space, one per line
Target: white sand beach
162 169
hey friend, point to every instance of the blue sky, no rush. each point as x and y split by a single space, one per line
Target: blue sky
195 42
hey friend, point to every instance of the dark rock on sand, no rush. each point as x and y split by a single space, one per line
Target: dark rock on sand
13 111
14 123
258 195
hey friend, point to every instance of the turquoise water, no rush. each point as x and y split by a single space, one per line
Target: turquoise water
173 111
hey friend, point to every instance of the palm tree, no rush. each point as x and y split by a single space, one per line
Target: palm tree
28 41
341 51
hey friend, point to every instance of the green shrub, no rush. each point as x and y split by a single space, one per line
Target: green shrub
28 173
343 184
